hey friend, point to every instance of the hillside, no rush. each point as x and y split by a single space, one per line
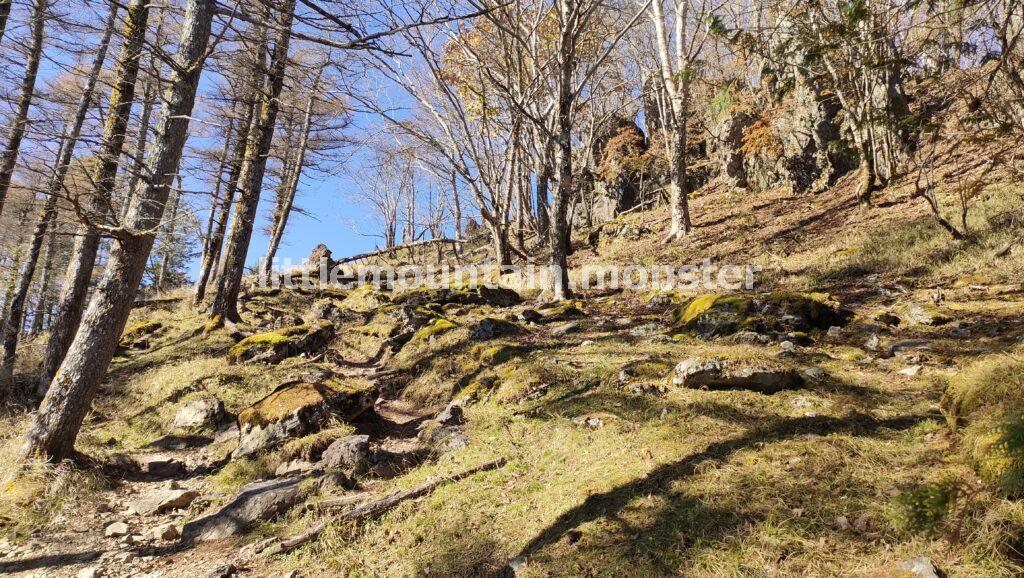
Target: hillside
641 434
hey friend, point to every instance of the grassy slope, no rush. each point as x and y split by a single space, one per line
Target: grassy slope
675 481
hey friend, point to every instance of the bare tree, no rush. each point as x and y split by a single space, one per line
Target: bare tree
96 210
56 426
9 157
48 214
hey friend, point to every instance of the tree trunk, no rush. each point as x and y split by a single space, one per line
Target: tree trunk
543 181
292 186
165 260
225 306
47 215
681 224
75 286
42 308
215 200
5 13
19 119
866 177
211 260
56 426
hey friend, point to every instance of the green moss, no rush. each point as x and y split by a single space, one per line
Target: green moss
274 340
921 509
141 329
281 404
693 309
364 298
438 326
496 354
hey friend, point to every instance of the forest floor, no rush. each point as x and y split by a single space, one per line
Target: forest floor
611 468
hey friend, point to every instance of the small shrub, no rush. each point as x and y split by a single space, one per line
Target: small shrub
921 509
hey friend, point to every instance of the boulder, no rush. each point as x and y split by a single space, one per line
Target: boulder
713 374
166 531
115 530
442 438
207 412
323 310
276 346
296 409
566 329
920 567
491 328
919 314
160 501
713 315
350 453
256 503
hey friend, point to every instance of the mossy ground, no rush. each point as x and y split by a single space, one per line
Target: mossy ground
845 477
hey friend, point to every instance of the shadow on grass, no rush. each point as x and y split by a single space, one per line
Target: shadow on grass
658 483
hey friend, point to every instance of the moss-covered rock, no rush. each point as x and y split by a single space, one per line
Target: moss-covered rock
297 409
492 328
441 296
275 346
490 355
439 326
561 311
137 336
713 315
364 299
922 314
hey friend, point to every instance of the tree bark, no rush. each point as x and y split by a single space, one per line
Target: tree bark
19 120
229 283
292 186
5 13
16 310
56 426
560 234
42 308
75 286
211 260
165 259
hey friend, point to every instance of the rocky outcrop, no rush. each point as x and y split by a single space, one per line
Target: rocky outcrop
255 503
297 409
726 150
162 500
713 315
714 374
276 346
481 295
200 413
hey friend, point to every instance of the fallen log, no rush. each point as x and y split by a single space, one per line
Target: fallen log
375 507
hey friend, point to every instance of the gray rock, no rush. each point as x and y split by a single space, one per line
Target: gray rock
920 567
91 572
645 330
166 531
924 315
701 373
491 328
207 412
530 316
911 370
748 338
294 467
160 501
225 571
452 414
255 503
566 329
443 438
834 332
872 342
813 374
115 530
159 465
347 453
910 345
